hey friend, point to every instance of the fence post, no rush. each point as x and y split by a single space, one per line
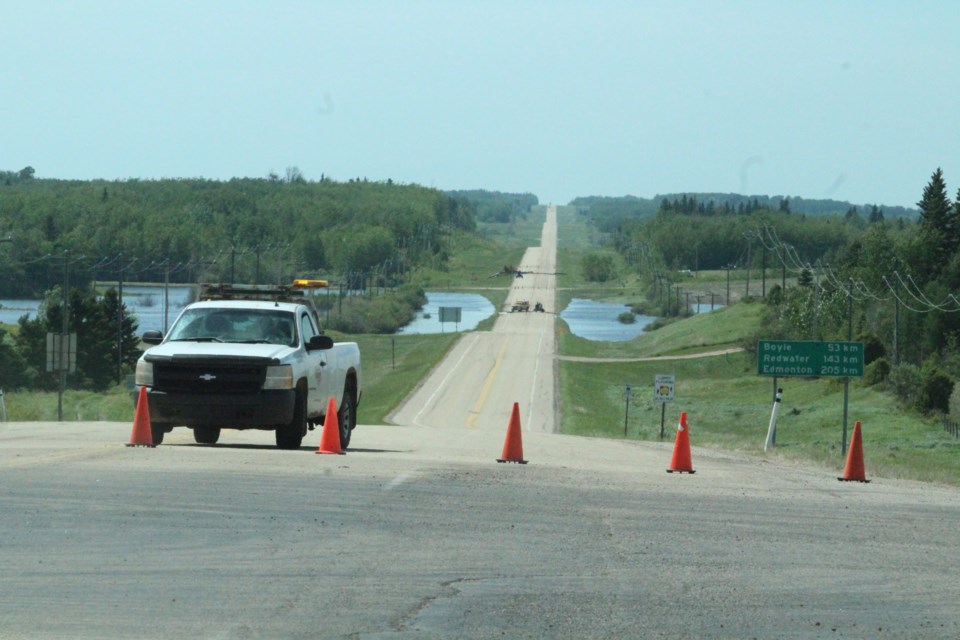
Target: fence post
3 408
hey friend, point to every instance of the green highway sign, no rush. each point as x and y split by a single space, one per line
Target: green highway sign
809 358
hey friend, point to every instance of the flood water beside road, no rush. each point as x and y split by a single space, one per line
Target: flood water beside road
595 320
145 302
474 309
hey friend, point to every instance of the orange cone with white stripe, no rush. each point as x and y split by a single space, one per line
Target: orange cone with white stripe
330 437
513 444
680 462
854 470
141 435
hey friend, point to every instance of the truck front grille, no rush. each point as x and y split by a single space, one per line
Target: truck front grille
204 378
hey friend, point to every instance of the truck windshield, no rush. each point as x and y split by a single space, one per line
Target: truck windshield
236 325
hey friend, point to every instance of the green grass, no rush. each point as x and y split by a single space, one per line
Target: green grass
729 405
116 405
474 258
392 368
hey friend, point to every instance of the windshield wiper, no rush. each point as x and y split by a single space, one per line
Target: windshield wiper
198 339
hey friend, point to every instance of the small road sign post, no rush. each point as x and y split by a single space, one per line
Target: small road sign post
627 394
664 387
450 314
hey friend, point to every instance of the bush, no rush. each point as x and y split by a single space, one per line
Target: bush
955 402
876 372
383 314
598 267
873 348
905 382
934 394
627 317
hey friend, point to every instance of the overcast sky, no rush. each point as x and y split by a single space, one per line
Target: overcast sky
856 100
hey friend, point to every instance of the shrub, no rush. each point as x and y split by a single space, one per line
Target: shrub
905 382
598 267
876 372
873 348
627 317
955 402
934 393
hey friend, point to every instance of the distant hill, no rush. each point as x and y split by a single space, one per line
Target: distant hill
633 206
494 206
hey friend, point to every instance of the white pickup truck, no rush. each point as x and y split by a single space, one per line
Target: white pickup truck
249 357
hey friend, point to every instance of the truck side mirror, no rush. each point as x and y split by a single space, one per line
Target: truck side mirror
152 337
320 343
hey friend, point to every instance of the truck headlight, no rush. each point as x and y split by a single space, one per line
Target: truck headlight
144 374
279 377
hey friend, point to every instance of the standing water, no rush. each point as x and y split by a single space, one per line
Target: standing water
474 309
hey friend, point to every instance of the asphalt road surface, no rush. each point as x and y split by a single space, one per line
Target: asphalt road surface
476 386
417 532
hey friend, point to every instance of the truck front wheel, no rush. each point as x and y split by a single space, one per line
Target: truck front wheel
206 435
290 436
157 431
346 418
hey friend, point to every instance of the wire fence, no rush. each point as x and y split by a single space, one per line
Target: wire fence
952 427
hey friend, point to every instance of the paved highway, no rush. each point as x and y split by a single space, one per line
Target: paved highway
419 533
476 386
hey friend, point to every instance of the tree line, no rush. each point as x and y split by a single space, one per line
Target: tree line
66 234
892 283
241 230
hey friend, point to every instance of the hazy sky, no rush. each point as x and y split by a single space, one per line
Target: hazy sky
857 100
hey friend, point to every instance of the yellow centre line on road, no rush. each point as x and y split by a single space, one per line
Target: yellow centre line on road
485 391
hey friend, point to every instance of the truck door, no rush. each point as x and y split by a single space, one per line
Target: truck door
320 371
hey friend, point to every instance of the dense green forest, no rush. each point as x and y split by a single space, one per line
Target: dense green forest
887 281
243 230
609 212
494 206
360 235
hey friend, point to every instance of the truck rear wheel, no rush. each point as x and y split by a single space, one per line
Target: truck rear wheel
290 436
206 435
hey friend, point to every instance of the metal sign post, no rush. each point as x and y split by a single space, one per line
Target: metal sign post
3 408
450 314
61 357
772 429
627 394
663 392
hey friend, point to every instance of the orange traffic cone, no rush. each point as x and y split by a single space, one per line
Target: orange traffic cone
681 448
854 470
513 445
330 438
142 435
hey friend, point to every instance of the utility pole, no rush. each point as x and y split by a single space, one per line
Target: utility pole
846 381
763 271
120 318
749 246
64 338
729 266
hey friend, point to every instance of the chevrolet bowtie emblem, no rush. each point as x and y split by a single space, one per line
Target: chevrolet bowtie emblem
208 377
